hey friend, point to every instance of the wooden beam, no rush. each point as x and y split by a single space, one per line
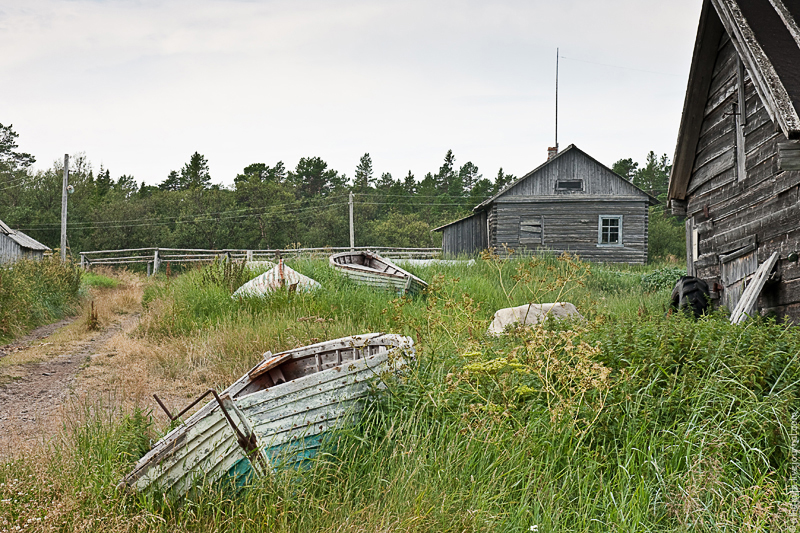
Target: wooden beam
709 32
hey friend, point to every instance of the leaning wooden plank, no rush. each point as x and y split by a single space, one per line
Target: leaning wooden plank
747 302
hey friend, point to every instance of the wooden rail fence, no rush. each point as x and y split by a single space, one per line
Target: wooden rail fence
155 257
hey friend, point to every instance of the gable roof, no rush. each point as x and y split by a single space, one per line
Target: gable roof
766 35
21 239
462 219
568 149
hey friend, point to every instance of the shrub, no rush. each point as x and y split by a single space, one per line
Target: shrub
662 278
36 292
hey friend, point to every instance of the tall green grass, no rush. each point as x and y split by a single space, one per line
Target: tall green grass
33 293
632 419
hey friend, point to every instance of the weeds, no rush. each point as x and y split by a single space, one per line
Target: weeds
92 320
629 420
33 293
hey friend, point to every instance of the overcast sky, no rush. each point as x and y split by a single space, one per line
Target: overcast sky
139 85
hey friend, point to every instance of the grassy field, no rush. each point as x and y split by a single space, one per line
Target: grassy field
632 419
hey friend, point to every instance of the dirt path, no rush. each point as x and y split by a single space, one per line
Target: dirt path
31 404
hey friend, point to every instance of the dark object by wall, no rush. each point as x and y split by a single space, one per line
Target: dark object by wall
691 294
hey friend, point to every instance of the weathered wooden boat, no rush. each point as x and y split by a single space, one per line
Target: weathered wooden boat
368 268
274 416
276 278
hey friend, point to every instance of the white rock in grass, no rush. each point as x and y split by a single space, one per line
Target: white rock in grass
531 314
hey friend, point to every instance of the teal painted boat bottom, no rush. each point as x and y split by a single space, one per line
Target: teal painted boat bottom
295 455
287 408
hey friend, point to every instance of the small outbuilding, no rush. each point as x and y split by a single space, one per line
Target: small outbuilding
736 171
16 245
572 203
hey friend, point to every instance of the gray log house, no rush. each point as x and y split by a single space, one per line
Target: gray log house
16 245
736 171
572 203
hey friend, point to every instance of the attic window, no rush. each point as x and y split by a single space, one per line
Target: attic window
569 185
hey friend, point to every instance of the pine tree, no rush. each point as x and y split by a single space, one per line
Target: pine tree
446 175
625 168
172 183
363 178
469 175
195 174
11 160
410 184
103 183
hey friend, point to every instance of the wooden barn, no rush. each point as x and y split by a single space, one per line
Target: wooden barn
572 203
736 171
16 245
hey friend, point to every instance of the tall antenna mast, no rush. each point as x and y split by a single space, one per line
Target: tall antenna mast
557 100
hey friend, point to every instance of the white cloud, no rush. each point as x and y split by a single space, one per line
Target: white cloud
140 85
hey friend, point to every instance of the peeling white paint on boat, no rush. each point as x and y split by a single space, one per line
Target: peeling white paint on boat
289 400
367 268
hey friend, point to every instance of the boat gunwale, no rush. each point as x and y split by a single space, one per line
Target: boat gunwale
355 267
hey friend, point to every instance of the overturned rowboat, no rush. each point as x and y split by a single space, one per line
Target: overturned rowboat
276 415
278 277
368 268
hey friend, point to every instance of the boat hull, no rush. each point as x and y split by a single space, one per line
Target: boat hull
289 420
366 268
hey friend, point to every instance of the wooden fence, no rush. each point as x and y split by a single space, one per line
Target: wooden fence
155 257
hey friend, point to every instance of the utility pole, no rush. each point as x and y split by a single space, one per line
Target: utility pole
64 209
352 233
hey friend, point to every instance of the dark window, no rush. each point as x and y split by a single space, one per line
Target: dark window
610 230
569 185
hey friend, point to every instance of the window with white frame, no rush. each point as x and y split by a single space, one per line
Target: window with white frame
609 230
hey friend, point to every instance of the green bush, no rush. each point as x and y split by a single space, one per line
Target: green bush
33 293
666 238
662 278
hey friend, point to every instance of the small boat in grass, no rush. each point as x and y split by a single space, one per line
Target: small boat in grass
278 277
368 268
275 416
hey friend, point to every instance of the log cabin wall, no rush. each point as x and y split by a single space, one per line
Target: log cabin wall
466 236
560 205
573 226
741 206
9 250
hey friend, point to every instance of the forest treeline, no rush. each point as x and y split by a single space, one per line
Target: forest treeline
268 206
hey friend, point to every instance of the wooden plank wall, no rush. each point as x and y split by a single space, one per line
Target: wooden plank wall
597 180
9 250
764 207
465 237
572 226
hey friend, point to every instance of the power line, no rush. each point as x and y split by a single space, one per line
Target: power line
243 212
196 220
620 67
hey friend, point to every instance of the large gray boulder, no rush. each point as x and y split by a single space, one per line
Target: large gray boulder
531 314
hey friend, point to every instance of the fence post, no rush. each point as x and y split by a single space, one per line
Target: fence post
149 269
155 261
83 262
249 255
